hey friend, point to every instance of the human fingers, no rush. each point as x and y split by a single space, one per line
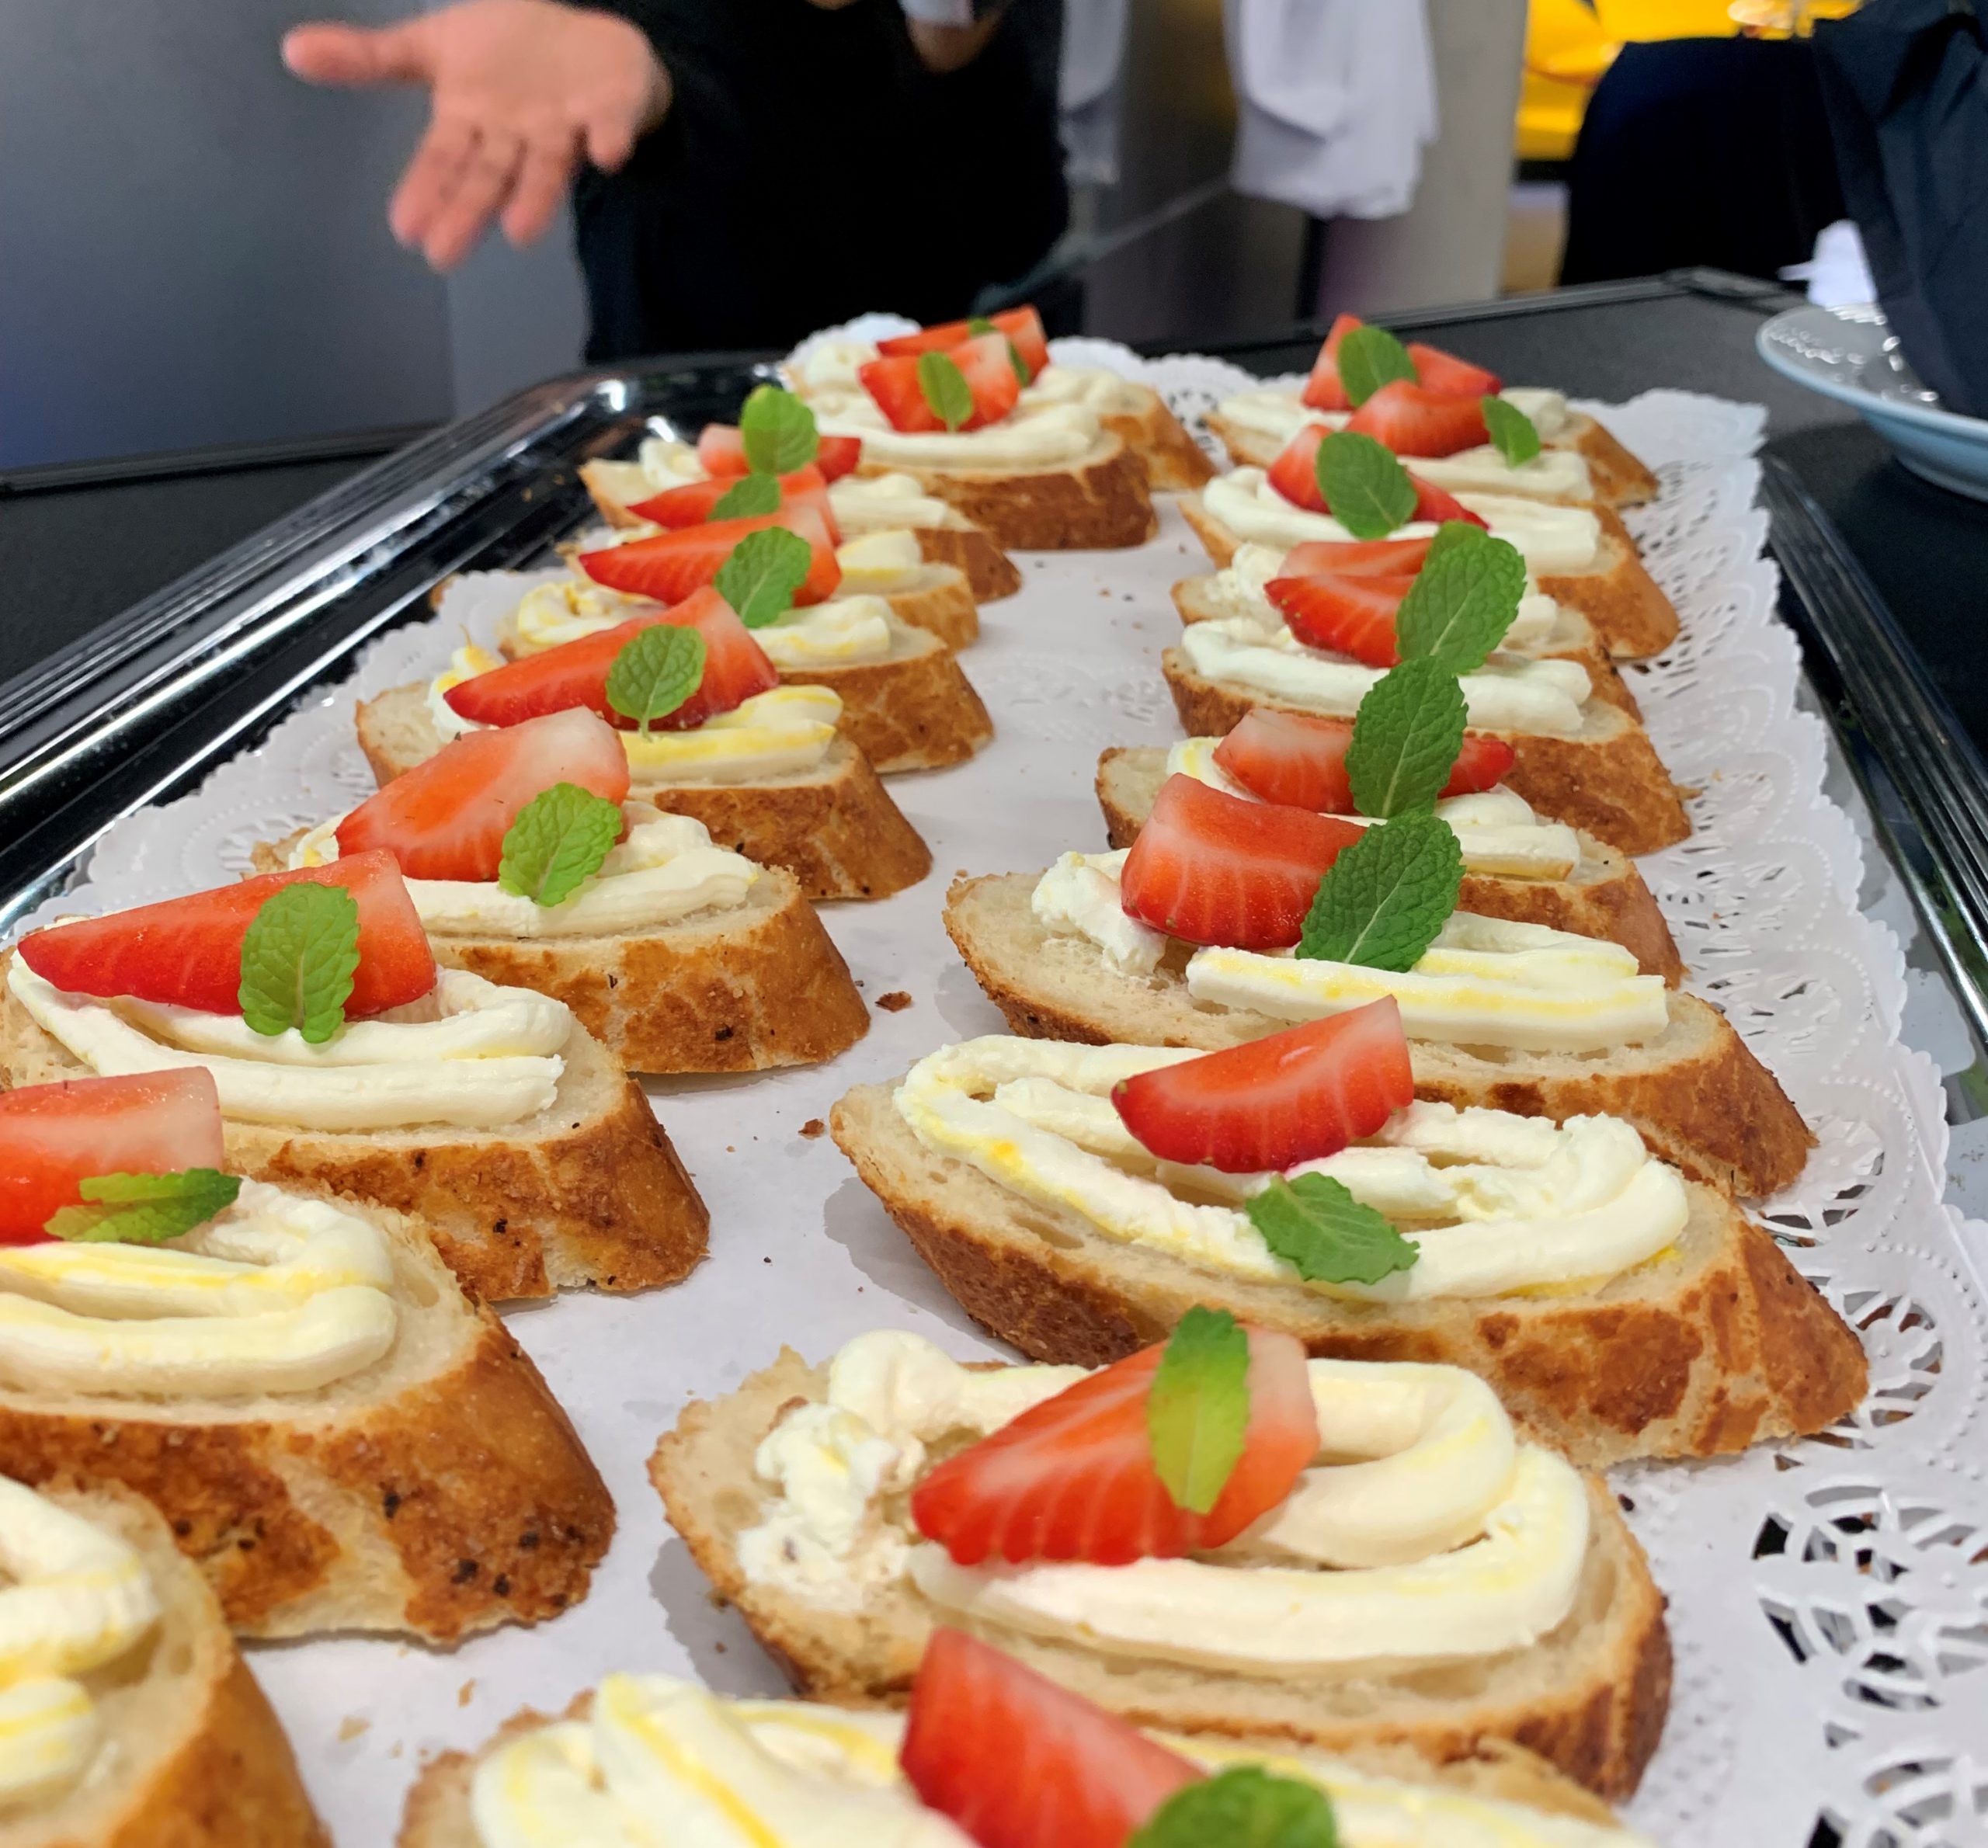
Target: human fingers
431 177
483 184
327 53
544 175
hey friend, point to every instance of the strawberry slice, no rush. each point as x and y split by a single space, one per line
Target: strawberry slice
668 566
1322 390
1297 1095
53 1138
1016 1762
1295 473
1356 558
575 672
1214 868
1435 504
983 362
1350 616
721 451
692 504
1021 325
1445 373
447 818
1073 1477
1414 421
1295 758
187 952
838 456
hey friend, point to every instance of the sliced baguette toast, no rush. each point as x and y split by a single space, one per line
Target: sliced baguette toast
1607 779
970 548
1571 638
1633 617
440 1491
914 709
754 986
1590 1697
1699 1098
937 599
1099 501
1716 1344
1604 896
191 1756
587 1192
835 828
1173 460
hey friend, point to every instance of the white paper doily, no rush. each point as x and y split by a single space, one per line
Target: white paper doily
1828 1599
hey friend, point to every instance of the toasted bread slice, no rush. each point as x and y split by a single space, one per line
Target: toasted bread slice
1173 460
1099 501
1607 779
1590 1697
1633 617
437 1813
440 1492
914 709
970 548
191 1756
1604 896
833 828
1698 1097
757 985
937 599
1632 1368
587 1192
1571 638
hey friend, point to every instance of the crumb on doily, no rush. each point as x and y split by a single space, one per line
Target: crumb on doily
352 1726
813 1127
466 1693
894 1003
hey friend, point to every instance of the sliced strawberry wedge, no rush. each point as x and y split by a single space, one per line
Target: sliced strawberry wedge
53 1138
447 818
187 952
668 566
1445 373
721 451
692 504
1213 868
1356 557
1322 390
838 456
1297 1095
1295 758
1414 421
1295 473
1436 504
1021 325
983 363
1014 1761
1350 616
1073 1477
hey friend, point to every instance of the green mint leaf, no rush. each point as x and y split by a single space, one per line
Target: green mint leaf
142 1209
298 957
1242 1807
978 325
1463 599
1406 738
1514 434
747 498
1316 1226
1370 357
1364 484
1198 1412
777 431
558 842
946 389
1382 901
764 570
657 669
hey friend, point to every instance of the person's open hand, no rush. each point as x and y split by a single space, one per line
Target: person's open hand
521 90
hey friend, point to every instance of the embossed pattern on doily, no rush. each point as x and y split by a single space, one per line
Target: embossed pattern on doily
1829 1598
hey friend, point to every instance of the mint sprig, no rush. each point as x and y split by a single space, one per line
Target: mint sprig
1315 1225
1383 901
557 843
1463 600
657 669
1370 357
946 393
1406 738
1515 435
299 956
1197 1410
747 498
1242 1807
777 432
764 571
144 1209
1364 485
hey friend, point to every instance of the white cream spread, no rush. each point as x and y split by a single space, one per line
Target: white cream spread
468 1053
879 562
1429 1534
885 503
1494 1204
1038 435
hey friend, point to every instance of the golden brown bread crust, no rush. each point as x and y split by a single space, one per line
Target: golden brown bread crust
1704 1350
1173 460
1620 478
941 605
915 710
991 574
1098 502
1612 902
1599 1725
1609 781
